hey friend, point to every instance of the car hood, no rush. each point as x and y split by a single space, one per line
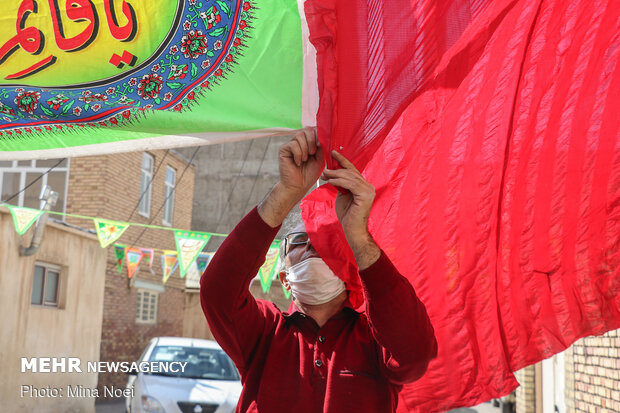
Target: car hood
191 390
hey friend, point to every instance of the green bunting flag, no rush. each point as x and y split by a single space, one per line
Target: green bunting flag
169 264
287 293
189 245
133 256
266 271
23 217
109 231
119 254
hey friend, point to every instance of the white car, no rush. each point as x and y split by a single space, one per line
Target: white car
196 377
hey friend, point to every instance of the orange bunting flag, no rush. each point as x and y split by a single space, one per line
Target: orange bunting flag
133 256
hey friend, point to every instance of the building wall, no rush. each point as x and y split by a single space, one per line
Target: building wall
569 371
591 378
71 330
526 392
596 374
194 322
231 179
109 187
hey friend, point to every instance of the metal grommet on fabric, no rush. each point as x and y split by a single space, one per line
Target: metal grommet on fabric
318 363
322 339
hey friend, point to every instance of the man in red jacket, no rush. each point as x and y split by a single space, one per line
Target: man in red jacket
323 356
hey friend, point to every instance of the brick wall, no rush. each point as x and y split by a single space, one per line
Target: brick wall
592 377
569 375
86 191
109 187
596 374
526 392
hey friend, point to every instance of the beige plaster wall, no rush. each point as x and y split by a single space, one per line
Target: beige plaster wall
72 330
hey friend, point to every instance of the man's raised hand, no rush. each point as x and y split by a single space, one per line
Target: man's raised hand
353 209
301 162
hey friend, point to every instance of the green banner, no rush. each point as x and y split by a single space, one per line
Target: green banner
152 74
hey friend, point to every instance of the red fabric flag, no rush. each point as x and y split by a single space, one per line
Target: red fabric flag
490 131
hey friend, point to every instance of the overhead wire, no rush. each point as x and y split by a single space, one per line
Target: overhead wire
148 187
262 161
232 190
33 182
167 196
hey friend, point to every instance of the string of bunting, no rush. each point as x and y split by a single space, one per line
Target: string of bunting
188 253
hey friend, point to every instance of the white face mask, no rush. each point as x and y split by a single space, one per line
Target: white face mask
313 282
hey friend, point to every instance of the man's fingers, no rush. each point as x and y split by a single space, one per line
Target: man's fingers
303 145
294 151
343 173
344 162
311 140
359 190
343 183
319 154
302 141
347 180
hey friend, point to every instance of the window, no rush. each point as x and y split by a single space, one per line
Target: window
15 175
171 177
45 285
146 309
145 185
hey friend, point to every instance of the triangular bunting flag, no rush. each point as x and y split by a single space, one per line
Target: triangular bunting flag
149 255
109 231
202 261
265 272
169 264
287 293
119 254
23 217
133 256
189 245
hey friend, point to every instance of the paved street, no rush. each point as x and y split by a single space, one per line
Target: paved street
119 407
113 407
482 408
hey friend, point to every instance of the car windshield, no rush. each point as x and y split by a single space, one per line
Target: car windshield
202 363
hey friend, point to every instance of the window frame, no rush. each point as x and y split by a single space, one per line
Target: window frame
23 170
169 187
47 268
151 313
144 206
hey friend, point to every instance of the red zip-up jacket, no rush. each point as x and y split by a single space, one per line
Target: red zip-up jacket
356 362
